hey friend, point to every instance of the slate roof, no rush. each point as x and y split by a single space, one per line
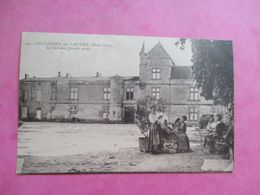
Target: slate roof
158 52
37 79
181 72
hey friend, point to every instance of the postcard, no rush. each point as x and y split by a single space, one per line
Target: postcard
113 104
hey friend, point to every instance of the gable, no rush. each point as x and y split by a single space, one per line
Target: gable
158 52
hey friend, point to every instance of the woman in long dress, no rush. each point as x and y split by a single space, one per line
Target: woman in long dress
211 127
154 133
183 143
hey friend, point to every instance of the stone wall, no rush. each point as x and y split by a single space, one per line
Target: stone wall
84 112
90 104
31 102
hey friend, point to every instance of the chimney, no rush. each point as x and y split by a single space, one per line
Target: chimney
98 74
59 74
26 76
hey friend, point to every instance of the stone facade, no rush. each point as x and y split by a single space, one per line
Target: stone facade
114 98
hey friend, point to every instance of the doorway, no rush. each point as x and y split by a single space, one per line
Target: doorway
24 113
129 115
38 114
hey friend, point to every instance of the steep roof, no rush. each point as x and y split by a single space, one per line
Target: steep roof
158 52
181 72
143 49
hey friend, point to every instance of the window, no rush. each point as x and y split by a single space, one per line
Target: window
129 93
73 93
193 114
105 115
217 109
23 96
73 109
106 93
38 95
52 108
194 93
156 92
156 73
53 92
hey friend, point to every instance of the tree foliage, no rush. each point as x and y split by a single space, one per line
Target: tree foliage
213 69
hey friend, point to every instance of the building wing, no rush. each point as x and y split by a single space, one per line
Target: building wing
181 72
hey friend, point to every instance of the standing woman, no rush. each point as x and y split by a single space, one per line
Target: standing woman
218 137
154 133
220 127
183 144
211 131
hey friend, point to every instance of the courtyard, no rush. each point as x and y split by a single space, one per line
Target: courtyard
50 147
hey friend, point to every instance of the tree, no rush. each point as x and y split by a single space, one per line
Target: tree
213 69
213 73
142 112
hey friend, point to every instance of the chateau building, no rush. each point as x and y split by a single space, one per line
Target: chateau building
113 98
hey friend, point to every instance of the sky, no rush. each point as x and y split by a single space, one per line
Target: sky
44 54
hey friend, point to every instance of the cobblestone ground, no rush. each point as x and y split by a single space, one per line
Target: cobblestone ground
45 147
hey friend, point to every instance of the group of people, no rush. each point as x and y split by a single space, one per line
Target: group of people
163 137
216 132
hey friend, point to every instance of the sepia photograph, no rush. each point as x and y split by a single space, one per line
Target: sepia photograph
124 104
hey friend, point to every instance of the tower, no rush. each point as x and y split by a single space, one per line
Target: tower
143 64
155 65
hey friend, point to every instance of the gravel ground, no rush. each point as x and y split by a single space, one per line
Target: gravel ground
80 148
